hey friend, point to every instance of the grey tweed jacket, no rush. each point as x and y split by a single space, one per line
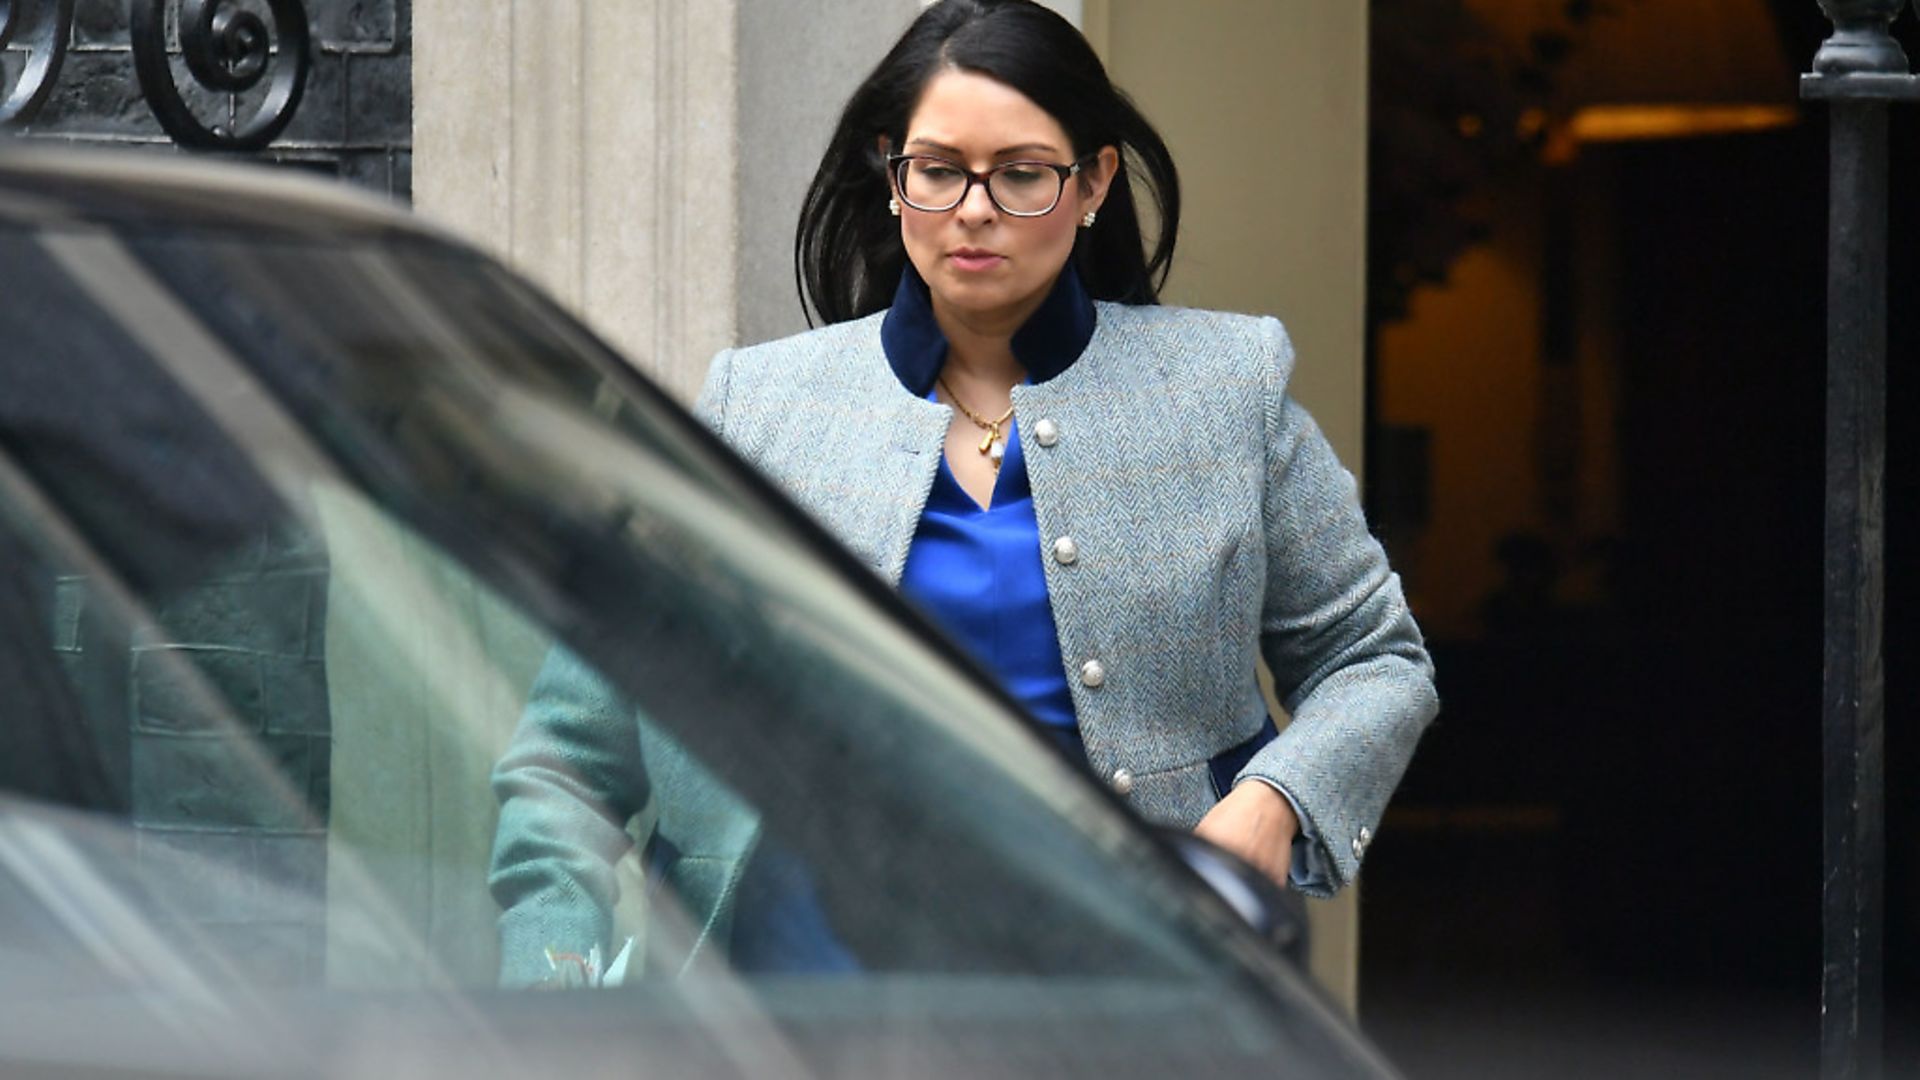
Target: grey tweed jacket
1211 520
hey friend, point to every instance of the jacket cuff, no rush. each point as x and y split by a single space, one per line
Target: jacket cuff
1309 868
543 921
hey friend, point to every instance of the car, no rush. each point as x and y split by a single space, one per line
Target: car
301 505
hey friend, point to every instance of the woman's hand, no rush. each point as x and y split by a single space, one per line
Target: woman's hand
1257 823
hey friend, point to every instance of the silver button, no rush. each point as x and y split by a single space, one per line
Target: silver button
1366 836
1092 674
1046 432
1065 551
1359 848
1121 781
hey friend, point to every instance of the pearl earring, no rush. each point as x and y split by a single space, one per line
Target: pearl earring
1087 222
893 207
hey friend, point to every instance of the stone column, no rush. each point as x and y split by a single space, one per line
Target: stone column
643 160
590 145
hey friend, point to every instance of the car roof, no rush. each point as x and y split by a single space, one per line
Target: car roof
43 186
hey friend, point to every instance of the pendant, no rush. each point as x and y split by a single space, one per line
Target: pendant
997 452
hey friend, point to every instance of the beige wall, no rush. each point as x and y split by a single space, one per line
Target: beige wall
1264 104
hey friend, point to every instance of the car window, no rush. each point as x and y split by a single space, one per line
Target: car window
371 628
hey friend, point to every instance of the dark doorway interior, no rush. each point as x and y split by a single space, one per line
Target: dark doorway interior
1607 854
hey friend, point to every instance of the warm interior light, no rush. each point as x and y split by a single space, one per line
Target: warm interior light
1629 123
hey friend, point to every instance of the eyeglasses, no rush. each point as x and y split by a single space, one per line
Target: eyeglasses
935 185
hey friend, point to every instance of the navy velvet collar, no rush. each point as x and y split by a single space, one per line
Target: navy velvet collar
1052 339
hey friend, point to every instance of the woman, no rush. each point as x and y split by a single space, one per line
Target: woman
1115 505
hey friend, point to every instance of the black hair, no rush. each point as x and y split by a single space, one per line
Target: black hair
847 255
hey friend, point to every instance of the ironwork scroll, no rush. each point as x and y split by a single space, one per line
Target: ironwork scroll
228 49
43 27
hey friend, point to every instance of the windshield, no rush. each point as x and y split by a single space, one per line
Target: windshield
369 628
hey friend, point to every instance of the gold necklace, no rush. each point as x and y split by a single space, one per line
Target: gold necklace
994 446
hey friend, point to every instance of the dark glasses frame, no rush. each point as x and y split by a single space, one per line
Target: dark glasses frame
897 165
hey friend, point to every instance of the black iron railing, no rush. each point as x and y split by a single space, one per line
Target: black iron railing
1859 72
230 51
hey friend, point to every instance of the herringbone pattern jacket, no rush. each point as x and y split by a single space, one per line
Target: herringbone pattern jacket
1213 526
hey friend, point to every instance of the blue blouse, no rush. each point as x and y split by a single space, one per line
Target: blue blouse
976 570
